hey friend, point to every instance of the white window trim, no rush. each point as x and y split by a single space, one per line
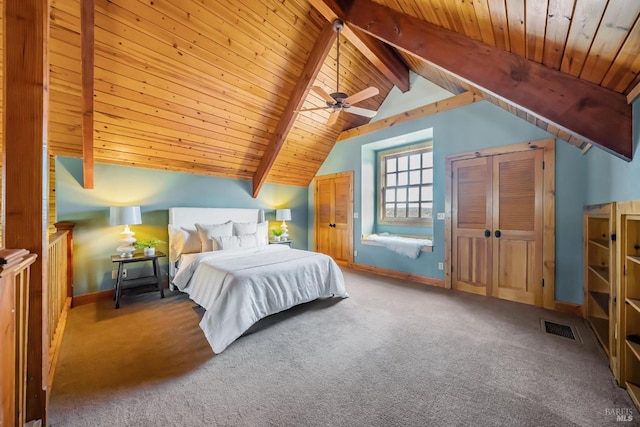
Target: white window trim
380 188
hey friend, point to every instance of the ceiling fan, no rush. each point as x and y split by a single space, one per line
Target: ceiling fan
340 101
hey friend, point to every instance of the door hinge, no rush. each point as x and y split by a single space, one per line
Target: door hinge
543 283
451 174
613 237
624 270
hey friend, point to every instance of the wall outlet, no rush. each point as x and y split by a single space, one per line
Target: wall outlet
355 253
440 215
355 215
440 266
114 274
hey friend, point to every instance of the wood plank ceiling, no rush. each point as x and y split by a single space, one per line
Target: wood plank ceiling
200 86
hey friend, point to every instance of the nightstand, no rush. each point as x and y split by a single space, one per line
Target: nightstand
124 283
281 242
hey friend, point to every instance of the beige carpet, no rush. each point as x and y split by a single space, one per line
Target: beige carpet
393 354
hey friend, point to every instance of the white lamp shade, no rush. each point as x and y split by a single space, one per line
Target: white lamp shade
283 214
124 215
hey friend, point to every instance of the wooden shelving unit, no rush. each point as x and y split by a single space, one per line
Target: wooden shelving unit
629 267
600 303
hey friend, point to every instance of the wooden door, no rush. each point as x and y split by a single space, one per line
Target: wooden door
324 215
496 224
471 221
517 226
333 216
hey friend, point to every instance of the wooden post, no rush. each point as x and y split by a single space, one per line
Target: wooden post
68 226
25 172
87 32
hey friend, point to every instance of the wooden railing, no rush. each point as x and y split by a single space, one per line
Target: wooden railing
60 290
14 317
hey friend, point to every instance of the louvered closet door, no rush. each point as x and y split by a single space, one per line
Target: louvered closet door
342 239
517 226
471 220
324 215
333 216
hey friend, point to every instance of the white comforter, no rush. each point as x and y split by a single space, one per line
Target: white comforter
238 287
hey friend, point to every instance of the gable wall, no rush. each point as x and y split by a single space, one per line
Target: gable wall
473 127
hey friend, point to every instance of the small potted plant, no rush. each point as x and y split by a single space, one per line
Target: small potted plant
149 246
276 235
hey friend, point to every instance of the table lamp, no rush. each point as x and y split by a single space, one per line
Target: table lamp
125 215
284 215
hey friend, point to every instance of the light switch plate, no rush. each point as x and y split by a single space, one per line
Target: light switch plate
440 266
440 215
355 215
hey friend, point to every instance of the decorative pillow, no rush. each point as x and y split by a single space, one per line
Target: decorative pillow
240 228
235 242
183 240
208 231
262 233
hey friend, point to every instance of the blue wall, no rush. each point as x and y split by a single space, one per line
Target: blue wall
154 191
610 178
477 126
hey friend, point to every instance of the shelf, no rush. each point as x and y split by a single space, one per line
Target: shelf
635 259
604 244
601 271
139 281
635 303
602 299
635 348
601 329
634 392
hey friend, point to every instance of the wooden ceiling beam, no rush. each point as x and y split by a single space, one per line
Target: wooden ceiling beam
87 42
456 101
287 118
635 92
379 54
585 110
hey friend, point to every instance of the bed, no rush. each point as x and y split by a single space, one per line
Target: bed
222 259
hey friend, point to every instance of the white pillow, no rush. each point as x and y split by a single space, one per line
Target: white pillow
235 242
208 231
240 228
183 240
262 233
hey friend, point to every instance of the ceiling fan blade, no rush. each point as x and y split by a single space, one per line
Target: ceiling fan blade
361 111
362 95
323 94
333 117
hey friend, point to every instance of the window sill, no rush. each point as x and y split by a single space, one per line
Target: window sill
425 248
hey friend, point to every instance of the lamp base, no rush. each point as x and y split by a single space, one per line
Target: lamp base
126 250
285 231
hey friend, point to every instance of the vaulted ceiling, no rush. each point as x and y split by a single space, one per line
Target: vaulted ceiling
213 87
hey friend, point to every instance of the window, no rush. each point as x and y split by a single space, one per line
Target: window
406 185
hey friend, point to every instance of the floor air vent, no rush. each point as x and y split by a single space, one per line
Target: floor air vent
564 331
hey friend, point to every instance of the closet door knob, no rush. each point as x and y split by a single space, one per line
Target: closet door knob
498 233
487 233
